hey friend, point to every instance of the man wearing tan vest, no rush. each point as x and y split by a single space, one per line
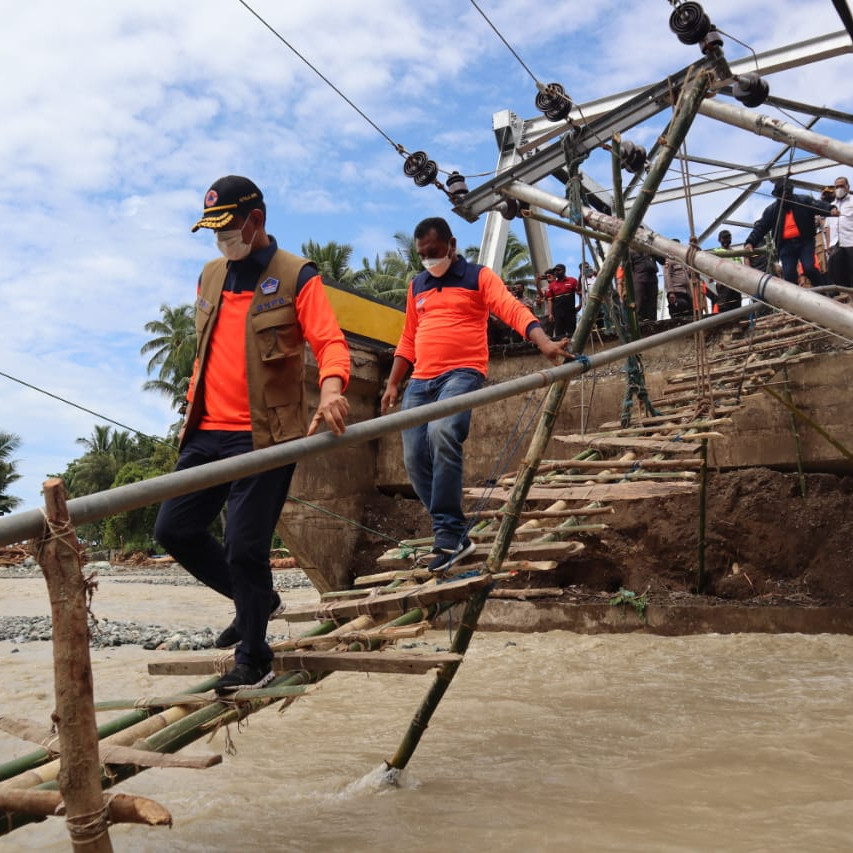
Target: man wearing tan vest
255 308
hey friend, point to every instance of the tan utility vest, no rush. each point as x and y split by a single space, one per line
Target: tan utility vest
275 349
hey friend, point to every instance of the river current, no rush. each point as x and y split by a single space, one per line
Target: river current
544 742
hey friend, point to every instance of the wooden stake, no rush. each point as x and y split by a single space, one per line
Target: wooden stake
58 553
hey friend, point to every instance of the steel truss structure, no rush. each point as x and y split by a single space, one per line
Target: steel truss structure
531 150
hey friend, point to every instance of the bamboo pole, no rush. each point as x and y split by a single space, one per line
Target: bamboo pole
80 770
44 776
688 103
629 301
179 733
781 131
28 524
811 422
567 226
703 490
544 513
39 757
802 302
120 808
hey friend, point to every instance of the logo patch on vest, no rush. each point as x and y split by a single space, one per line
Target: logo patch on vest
269 306
269 285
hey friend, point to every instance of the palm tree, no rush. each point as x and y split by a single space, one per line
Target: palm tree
332 259
407 251
98 441
172 350
389 278
516 261
9 443
96 468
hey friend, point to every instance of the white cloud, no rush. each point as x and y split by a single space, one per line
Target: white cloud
118 116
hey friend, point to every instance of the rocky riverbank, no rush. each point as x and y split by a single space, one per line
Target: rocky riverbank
107 633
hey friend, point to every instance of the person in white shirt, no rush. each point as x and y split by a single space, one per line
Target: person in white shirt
841 237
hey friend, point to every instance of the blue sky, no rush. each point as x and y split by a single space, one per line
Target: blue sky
118 116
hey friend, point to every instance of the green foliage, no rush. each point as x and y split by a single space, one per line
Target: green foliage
113 458
331 259
388 279
172 352
627 598
133 531
516 261
9 443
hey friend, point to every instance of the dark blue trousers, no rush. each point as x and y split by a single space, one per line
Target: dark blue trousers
239 567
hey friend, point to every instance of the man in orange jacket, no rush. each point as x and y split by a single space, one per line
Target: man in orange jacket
444 343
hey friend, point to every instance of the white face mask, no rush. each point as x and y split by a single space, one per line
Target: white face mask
840 192
436 267
231 244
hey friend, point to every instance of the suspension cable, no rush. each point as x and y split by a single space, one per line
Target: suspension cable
508 45
84 409
397 147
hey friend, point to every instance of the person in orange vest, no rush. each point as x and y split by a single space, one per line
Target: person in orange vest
256 307
793 220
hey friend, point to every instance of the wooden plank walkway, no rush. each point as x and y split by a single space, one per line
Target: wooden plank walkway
309 661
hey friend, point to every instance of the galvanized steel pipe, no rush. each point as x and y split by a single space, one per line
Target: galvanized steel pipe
799 301
30 523
782 131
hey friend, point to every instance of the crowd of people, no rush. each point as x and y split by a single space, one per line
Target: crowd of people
805 240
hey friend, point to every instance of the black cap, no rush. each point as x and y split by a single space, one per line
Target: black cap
779 187
559 267
227 196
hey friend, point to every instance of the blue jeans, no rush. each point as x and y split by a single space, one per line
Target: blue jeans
239 568
432 452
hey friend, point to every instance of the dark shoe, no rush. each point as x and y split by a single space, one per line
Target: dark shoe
444 558
244 677
230 636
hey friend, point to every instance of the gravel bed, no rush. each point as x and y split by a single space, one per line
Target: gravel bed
105 633
170 574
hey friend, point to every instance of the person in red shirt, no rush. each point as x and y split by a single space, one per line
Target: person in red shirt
256 307
444 344
563 295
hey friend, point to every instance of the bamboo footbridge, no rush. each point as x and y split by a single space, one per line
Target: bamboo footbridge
357 629
658 456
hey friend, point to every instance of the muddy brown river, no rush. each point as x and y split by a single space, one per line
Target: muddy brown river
544 742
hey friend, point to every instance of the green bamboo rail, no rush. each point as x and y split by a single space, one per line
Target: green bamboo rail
686 109
703 490
198 723
629 301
